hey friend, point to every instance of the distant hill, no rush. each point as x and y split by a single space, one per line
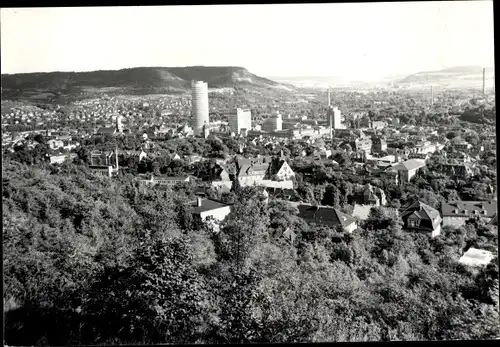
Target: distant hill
459 76
137 80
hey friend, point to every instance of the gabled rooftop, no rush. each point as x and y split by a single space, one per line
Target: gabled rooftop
206 205
423 212
469 209
323 215
410 165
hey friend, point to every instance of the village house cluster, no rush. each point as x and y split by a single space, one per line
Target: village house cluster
384 148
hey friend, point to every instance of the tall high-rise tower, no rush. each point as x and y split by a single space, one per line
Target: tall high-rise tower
239 119
199 111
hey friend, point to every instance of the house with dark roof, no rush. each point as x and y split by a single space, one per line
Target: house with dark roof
253 168
210 211
456 213
457 170
280 170
421 218
365 198
368 195
408 169
325 215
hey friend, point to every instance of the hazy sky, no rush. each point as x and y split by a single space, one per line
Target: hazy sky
358 40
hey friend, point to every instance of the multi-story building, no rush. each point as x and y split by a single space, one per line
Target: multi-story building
461 146
274 123
210 209
240 119
200 109
335 118
422 218
379 144
280 170
325 215
456 213
360 144
408 169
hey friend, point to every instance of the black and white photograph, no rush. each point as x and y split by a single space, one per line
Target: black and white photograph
249 173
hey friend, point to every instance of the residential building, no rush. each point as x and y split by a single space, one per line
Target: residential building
326 215
369 195
408 169
210 209
424 147
105 170
280 170
359 144
461 145
253 169
57 159
421 218
461 171
365 198
55 144
378 144
456 213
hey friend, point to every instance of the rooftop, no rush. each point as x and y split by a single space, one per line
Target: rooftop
410 165
422 211
323 215
206 205
469 208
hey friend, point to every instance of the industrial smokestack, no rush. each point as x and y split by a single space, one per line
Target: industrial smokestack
116 158
328 97
432 96
484 79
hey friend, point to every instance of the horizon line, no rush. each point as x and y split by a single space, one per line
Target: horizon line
234 66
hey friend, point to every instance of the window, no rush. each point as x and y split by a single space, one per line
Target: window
412 223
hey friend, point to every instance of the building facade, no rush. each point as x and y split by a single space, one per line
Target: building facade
456 213
200 108
240 119
408 169
421 218
274 123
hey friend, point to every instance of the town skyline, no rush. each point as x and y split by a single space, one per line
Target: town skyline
397 41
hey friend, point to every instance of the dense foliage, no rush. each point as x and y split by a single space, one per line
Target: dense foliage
92 260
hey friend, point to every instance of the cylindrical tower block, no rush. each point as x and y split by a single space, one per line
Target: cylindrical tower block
199 105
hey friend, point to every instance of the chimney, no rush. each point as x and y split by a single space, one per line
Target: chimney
484 80
198 201
116 157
